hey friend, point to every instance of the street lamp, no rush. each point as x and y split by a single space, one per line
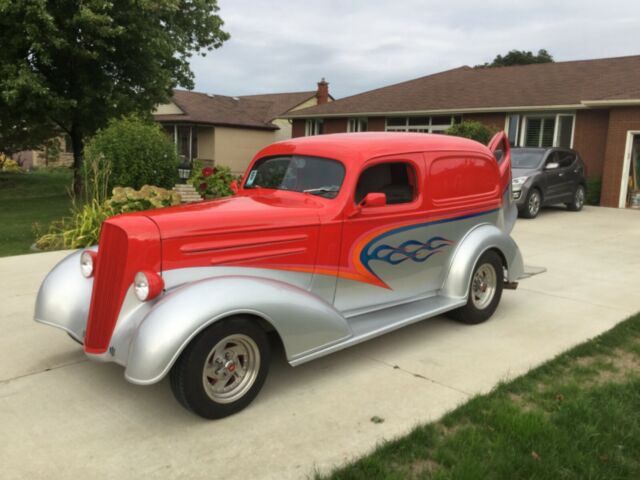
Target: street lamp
184 170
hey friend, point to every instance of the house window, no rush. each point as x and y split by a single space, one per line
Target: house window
434 124
357 125
512 127
555 130
187 142
314 127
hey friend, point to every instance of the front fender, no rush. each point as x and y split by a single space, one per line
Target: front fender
64 297
475 243
304 321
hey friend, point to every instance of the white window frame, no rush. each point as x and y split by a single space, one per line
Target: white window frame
357 124
426 128
312 126
506 127
523 123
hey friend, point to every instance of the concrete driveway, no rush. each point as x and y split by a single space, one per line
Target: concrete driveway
62 416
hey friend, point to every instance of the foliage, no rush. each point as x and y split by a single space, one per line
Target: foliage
212 182
594 187
9 165
519 57
50 150
82 228
474 130
72 66
135 151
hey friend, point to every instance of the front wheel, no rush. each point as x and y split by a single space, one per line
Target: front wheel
532 204
578 200
485 290
222 370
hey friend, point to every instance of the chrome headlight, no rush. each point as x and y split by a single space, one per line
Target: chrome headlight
147 285
516 183
87 263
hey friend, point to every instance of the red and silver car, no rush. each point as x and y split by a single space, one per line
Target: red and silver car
330 241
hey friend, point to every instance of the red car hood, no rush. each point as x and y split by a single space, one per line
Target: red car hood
251 211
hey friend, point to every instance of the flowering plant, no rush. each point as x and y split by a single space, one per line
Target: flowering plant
212 182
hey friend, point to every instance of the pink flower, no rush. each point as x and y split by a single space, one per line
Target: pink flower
203 186
207 172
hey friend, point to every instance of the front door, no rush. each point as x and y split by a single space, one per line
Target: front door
387 249
553 179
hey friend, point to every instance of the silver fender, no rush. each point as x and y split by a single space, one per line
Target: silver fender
304 322
474 244
64 297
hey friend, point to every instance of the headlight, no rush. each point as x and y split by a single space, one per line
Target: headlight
147 285
87 263
516 183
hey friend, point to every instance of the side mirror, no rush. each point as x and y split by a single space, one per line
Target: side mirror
374 199
551 166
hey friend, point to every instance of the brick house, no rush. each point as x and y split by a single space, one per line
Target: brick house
591 105
229 130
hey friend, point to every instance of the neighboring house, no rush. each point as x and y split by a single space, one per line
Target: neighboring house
57 153
590 105
230 130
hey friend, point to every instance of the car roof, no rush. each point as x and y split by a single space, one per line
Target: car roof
356 147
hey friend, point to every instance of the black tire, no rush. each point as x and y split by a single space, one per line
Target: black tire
187 375
531 206
470 313
578 199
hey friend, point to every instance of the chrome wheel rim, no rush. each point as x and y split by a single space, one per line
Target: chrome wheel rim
579 197
483 286
534 203
231 368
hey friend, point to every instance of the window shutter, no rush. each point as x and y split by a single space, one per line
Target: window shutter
532 135
548 127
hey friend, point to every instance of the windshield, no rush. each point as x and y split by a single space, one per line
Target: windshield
526 158
297 173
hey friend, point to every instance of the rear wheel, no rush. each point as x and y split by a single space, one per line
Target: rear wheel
532 204
222 370
578 200
485 290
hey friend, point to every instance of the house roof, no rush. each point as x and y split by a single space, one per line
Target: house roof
560 84
252 111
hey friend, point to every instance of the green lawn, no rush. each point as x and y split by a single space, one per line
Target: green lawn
26 198
575 417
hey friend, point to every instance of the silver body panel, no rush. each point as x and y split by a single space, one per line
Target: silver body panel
149 336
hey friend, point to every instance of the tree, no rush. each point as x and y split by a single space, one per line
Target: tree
474 130
70 66
519 57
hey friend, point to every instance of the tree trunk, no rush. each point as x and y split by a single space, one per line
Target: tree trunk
77 144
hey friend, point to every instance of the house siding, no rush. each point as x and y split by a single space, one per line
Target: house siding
297 128
236 147
621 120
590 139
335 125
376 124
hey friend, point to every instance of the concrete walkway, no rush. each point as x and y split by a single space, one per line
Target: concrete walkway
62 416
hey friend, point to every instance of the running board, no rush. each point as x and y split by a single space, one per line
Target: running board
370 325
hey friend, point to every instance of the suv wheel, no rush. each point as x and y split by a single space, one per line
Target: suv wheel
578 200
532 204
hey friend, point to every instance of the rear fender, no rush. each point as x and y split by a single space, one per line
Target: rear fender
303 321
471 247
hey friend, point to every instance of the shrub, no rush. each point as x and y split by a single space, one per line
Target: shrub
137 151
474 130
594 187
82 228
212 182
9 165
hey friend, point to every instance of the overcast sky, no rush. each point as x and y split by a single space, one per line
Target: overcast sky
288 45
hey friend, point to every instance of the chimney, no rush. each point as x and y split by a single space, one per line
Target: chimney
323 92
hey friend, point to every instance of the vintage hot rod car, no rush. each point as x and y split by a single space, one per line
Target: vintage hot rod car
330 241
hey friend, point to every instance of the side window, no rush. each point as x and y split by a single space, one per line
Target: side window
566 159
553 157
396 180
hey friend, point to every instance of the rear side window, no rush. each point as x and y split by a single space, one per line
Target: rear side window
395 179
566 159
459 178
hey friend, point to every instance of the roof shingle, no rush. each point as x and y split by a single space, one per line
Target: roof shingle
466 88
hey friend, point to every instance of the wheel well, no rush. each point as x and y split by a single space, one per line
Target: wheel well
265 325
537 187
503 259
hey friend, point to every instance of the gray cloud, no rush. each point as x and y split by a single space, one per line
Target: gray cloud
359 45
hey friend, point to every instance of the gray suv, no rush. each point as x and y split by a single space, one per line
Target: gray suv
546 176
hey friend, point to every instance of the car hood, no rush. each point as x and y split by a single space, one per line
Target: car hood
523 172
250 211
